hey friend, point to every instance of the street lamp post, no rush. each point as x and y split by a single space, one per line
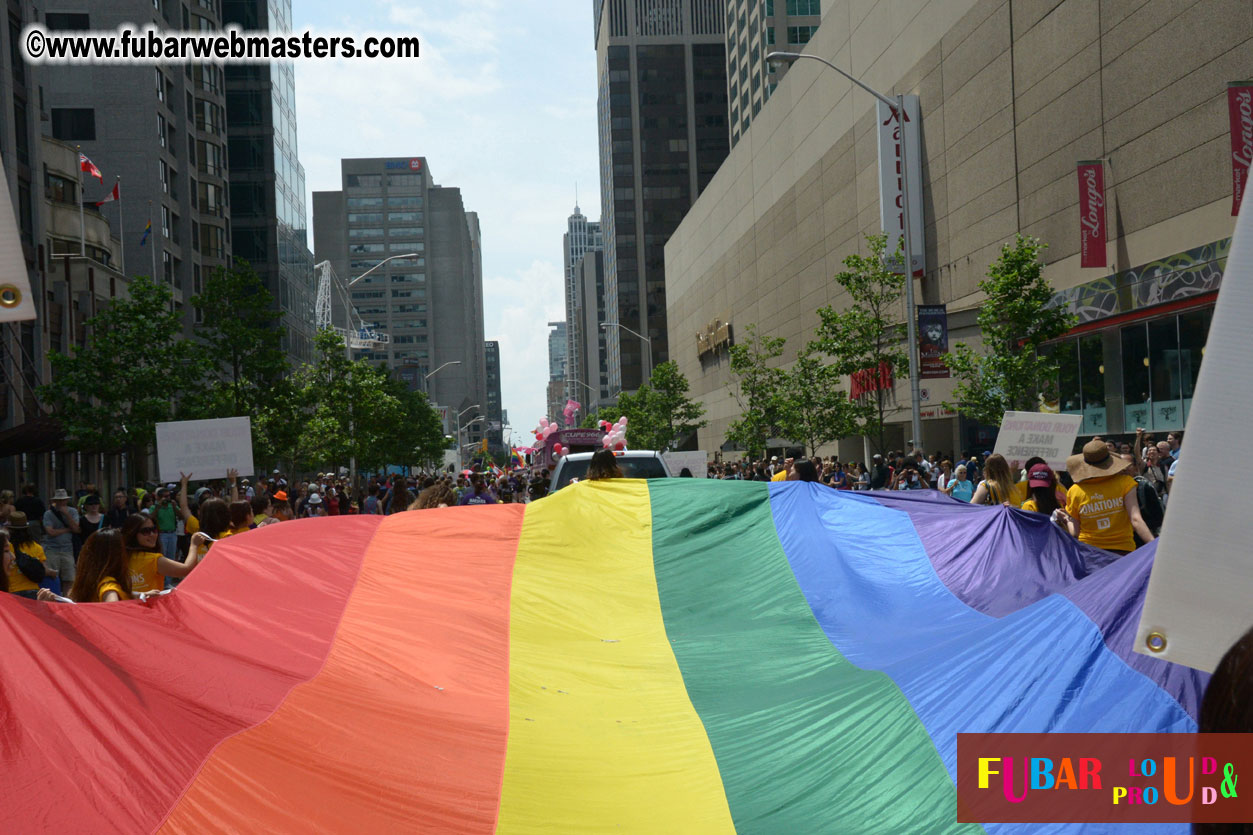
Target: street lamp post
457 423
460 446
897 106
590 390
352 460
648 346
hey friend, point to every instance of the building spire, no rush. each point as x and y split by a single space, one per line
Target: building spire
576 198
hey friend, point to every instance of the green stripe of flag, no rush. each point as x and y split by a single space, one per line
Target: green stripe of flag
805 741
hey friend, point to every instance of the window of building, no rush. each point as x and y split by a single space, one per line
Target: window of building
364 202
364 265
769 36
406 246
67 22
212 241
401 201
800 34
399 180
405 230
165 176
167 267
60 189
160 86
410 308
362 249
364 180
404 217
769 8
210 199
366 232
211 159
368 294
803 7
208 117
165 222
409 278
402 294
75 123
365 217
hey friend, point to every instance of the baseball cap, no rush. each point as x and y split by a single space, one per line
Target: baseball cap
1041 475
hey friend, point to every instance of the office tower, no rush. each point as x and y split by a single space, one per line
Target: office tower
267 181
581 236
756 28
589 281
163 130
494 414
430 304
558 345
662 111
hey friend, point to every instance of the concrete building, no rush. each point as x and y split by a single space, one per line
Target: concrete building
431 304
557 360
754 29
581 237
494 414
162 130
593 359
1013 96
269 227
662 112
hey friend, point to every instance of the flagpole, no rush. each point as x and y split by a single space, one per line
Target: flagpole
82 217
121 227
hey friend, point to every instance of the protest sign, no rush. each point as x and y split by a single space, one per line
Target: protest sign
697 461
205 448
1026 435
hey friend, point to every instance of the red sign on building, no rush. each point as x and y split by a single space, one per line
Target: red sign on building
415 165
870 379
1240 106
1092 213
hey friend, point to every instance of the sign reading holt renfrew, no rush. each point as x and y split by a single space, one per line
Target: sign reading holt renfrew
716 335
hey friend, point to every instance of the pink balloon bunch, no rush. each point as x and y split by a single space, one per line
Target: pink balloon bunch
615 434
558 450
545 430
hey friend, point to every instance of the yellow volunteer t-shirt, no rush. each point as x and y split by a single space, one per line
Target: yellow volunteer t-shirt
1029 504
145 572
1017 493
17 580
233 532
107 585
781 475
191 525
1098 505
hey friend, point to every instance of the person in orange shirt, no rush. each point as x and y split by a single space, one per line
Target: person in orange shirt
1101 506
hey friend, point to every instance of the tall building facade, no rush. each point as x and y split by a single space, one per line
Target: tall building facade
1012 97
589 281
581 236
755 28
558 359
162 129
269 225
430 304
494 413
662 112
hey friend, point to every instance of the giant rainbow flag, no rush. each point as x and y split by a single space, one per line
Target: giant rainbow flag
668 656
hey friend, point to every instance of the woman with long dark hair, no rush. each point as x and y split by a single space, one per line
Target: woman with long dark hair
19 535
603 465
103 572
241 517
1042 489
147 566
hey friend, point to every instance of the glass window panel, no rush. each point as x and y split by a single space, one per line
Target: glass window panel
1135 378
1166 374
1193 330
1092 384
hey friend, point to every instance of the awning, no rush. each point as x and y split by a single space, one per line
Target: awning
39 434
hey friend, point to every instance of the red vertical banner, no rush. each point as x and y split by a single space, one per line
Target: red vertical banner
1240 107
1092 213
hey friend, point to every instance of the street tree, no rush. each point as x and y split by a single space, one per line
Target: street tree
134 371
757 390
812 406
1015 320
660 412
867 336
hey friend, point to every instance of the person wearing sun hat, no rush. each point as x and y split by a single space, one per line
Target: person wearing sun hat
1102 506
60 525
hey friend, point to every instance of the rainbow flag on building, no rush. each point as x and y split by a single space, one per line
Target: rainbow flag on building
676 655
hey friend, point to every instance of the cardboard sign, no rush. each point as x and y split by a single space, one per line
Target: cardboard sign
204 449
1198 598
1026 435
696 461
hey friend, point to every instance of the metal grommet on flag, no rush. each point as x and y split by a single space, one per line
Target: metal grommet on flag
1156 642
10 296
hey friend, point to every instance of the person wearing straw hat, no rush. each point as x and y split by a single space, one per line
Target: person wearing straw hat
1101 506
21 540
60 526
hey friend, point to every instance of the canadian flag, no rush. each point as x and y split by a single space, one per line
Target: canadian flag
116 194
90 167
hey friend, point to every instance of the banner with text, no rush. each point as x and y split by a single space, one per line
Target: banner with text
892 184
1092 213
1240 106
204 449
932 341
1026 435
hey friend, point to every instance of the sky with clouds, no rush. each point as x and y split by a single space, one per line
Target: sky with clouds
502 104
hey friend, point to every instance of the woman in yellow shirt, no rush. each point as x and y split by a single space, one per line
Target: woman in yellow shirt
103 570
19 536
148 568
1101 506
998 485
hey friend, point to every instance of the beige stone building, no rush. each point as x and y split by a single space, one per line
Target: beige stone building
1013 94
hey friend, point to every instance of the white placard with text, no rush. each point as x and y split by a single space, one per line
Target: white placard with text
204 449
1026 435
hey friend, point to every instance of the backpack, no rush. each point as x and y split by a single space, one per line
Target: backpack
1150 505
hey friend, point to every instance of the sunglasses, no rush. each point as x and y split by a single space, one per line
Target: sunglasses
147 530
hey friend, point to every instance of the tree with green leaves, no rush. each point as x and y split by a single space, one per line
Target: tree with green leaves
867 335
757 391
812 406
136 370
659 412
1016 319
